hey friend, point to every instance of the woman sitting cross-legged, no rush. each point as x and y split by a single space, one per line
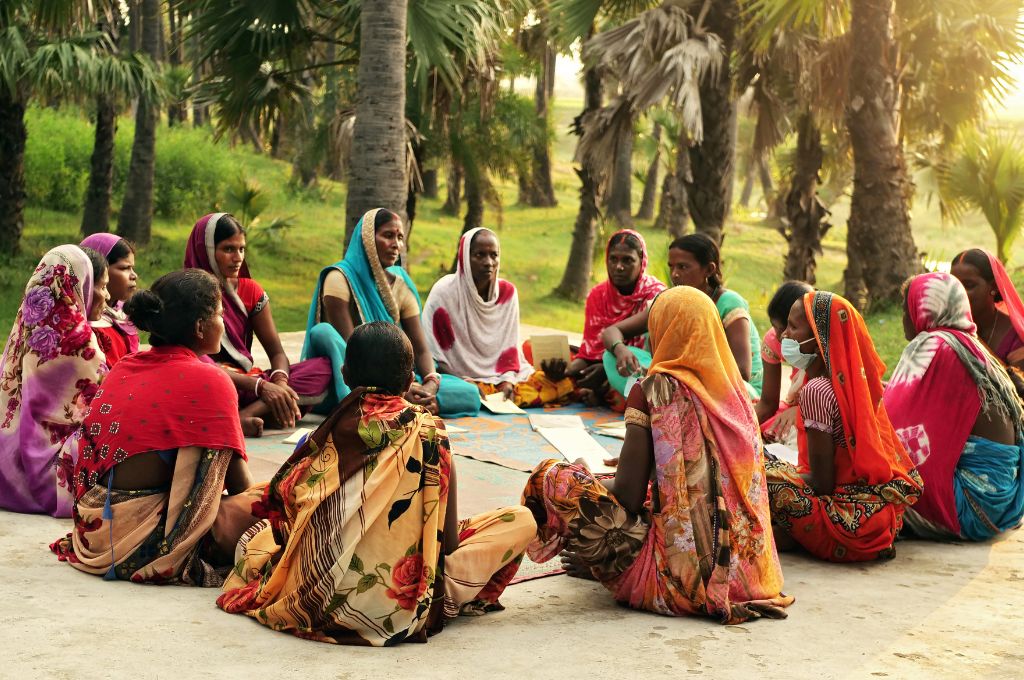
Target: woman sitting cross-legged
845 500
703 543
472 324
369 285
117 336
160 445
957 412
217 245
51 368
360 542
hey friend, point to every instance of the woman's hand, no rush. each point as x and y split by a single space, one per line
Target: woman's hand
554 369
508 389
783 425
423 396
592 377
283 402
626 362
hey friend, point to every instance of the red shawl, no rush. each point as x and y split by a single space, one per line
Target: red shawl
166 398
607 306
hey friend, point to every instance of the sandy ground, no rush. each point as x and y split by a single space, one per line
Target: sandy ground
937 610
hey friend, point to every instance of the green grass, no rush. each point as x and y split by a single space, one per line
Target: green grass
535 244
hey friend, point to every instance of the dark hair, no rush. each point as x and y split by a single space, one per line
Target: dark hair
784 298
170 308
378 355
977 258
382 217
704 250
122 249
227 226
629 241
98 262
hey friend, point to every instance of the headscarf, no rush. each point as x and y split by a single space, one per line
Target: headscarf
200 253
477 338
874 453
939 387
52 365
607 306
366 277
165 398
114 315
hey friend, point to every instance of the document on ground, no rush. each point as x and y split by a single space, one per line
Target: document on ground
539 420
547 347
294 437
783 452
573 444
497 403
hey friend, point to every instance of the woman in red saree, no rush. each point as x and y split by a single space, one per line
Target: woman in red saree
160 445
117 336
995 305
702 543
845 500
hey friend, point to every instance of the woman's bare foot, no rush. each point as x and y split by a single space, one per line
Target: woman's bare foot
252 426
575 567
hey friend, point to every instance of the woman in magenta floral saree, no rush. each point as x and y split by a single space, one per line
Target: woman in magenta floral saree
51 368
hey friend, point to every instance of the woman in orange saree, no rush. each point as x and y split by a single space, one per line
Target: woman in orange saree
845 499
702 544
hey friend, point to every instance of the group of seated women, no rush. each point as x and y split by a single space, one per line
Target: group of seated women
357 538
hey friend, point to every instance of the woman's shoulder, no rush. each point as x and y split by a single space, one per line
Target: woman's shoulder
729 298
506 291
819 387
250 293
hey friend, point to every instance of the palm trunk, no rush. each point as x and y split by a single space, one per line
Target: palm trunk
474 203
96 212
805 213
136 220
377 178
453 199
650 195
880 247
13 135
712 162
576 279
177 111
620 202
430 187
673 211
541 193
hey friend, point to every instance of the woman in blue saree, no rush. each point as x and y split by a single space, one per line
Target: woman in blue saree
369 285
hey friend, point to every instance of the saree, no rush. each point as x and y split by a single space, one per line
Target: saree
163 400
350 549
731 306
115 333
309 378
703 543
875 479
972 486
606 305
368 281
51 368
1011 349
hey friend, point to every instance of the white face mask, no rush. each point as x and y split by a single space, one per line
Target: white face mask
794 357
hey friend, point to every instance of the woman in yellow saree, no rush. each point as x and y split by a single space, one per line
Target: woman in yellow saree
359 541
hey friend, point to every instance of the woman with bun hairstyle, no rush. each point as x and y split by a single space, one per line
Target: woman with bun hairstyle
160 445
117 336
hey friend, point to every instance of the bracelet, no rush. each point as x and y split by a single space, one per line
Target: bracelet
257 388
281 371
432 377
614 345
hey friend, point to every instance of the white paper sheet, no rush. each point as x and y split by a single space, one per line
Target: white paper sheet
294 437
573 443
617 430
539 420
497 403
454 429
546 347
783 452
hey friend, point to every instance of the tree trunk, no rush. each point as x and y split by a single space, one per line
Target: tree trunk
134 25
96 213
650 195
453 200
712 162
576 279
620 202
177 111
13 135
377 177
880 247
136 220
474 203
673 211
805 213
748 185
541 189
430 185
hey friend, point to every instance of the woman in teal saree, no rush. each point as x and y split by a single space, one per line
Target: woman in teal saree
369 285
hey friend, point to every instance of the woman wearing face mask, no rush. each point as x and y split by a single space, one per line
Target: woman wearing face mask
845 500
775 410
995 305
369 284
116 334
472 324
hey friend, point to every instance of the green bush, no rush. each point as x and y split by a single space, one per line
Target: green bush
189 178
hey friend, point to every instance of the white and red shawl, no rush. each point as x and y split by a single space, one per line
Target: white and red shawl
476 338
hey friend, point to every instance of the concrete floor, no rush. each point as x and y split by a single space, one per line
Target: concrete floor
937 610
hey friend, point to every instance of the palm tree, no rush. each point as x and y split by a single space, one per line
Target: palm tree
650 194
135 222
42 49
